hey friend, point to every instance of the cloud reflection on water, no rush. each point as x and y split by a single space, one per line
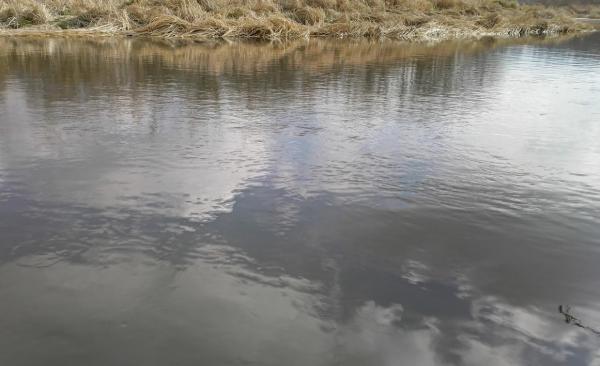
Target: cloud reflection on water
318 204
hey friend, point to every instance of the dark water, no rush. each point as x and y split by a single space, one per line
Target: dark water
317 203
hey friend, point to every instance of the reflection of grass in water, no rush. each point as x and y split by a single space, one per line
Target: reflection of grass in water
291 19
570 319
87 59
88 65
218 57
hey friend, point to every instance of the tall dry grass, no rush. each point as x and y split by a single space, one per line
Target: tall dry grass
290 19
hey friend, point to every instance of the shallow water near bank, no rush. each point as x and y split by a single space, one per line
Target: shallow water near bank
314 203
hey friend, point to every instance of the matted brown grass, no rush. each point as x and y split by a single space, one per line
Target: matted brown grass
290 19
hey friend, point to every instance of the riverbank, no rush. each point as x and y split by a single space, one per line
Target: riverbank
287 19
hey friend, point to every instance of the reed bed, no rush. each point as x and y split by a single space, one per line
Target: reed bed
288 19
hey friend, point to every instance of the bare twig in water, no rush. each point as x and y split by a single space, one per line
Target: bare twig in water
570 319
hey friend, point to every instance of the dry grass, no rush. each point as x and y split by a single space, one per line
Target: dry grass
293 19
585 11
309 15
17 14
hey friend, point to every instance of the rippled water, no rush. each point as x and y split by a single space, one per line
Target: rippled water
319 203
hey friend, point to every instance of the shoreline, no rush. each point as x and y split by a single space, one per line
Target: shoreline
433 34
415 39
283 20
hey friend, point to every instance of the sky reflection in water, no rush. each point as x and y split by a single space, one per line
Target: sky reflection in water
318 203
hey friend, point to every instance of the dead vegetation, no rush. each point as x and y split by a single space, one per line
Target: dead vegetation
290 19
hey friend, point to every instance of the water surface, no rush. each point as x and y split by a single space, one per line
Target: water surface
317 203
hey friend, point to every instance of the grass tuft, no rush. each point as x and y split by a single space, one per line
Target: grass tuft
17 14
309 16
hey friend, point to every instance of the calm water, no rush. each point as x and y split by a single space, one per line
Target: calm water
308 204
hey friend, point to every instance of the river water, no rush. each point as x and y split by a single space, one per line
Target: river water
314 203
